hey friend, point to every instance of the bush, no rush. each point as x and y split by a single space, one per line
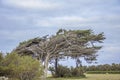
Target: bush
77 72
21 67
64 71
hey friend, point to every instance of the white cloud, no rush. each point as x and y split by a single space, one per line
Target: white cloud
18 18
31 4
112 49
62 21
76 21
14 35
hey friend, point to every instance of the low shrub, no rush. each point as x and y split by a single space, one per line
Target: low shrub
64 71
77 72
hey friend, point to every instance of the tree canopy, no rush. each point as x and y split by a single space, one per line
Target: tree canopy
71 43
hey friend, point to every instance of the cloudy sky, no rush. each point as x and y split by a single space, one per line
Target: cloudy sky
25 19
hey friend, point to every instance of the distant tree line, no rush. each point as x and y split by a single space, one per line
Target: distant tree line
65 71
104 67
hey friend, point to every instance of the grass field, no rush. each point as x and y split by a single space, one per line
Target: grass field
93 77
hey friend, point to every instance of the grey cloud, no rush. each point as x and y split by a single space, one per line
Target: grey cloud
18 24
30 4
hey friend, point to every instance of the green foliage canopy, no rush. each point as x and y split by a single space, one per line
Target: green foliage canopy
70 43
21 67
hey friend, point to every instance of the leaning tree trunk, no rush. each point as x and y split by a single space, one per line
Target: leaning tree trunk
46 66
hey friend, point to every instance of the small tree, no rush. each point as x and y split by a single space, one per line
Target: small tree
1 69
21 67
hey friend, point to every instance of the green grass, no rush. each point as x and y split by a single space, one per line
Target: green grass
93 77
